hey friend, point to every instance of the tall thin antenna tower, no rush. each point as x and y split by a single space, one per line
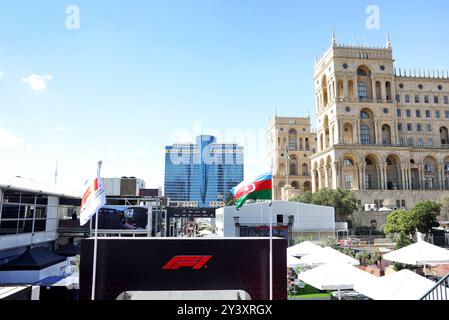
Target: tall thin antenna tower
56 173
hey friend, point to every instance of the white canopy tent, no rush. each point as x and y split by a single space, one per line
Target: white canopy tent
420 253
303 249
334 277
293 262
402 285
327 256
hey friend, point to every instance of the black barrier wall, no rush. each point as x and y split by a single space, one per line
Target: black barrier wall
161 264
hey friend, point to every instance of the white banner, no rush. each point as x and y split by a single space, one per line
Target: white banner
93 199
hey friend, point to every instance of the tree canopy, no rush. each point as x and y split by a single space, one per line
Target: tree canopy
343 201
444 208
422 218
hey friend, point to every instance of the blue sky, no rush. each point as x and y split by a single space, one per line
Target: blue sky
138 75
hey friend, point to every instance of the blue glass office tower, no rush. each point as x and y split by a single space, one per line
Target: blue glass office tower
203 172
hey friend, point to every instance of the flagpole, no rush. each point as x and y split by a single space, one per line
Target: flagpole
271 250
94 271
286 164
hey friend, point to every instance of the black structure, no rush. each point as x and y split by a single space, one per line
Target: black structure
223 264
190 213
33 259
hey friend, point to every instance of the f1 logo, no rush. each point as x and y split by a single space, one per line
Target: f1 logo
194 262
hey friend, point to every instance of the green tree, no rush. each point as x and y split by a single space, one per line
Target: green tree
343 201
230 200
422 218
400 221
444 215
425 215
303 198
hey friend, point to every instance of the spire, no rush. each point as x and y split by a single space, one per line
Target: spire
388 41
56 173
334 38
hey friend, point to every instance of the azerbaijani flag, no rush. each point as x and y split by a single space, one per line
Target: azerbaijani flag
257 189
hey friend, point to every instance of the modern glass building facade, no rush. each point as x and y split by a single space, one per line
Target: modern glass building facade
203 172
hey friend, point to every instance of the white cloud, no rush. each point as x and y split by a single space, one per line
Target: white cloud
141 152
9 140
1 75
61 128
37 82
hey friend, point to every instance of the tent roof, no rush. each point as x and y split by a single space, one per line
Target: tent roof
293 262
402 285
327 255
33 259
418 254
29 185
69 250
334 277
303 249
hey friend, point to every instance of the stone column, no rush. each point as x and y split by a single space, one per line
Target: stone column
403 177
421 177
381 177
362 168
345 89
326 177
383 90
331 135
385 178
356 137
334 176
377 136
313 180
320 179
441 176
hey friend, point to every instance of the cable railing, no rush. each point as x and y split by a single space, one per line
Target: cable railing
440 291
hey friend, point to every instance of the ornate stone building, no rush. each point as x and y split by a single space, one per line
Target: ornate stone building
295 133
381 132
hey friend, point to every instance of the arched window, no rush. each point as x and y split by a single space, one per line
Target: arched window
364 134
427 166
305 170
348 162
446 167
362 89
293 169
364 115
293 140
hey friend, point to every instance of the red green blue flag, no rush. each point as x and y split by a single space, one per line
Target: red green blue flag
257 189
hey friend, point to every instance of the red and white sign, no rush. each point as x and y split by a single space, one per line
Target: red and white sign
193 262
93 199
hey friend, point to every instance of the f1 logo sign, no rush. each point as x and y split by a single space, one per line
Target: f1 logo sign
194 262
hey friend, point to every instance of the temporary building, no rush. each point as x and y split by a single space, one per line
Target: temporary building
402 285
303 249
293 262
327 256
31 266
334 277
420 253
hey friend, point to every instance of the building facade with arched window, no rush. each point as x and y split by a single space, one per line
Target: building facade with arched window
380 130
296 135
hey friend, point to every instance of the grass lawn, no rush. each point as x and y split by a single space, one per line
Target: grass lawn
309 292
311 296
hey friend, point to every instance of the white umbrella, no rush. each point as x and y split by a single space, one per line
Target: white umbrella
303 249
334 277
293 262
327 255
402 285
420 253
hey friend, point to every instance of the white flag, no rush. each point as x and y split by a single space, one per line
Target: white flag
93 198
